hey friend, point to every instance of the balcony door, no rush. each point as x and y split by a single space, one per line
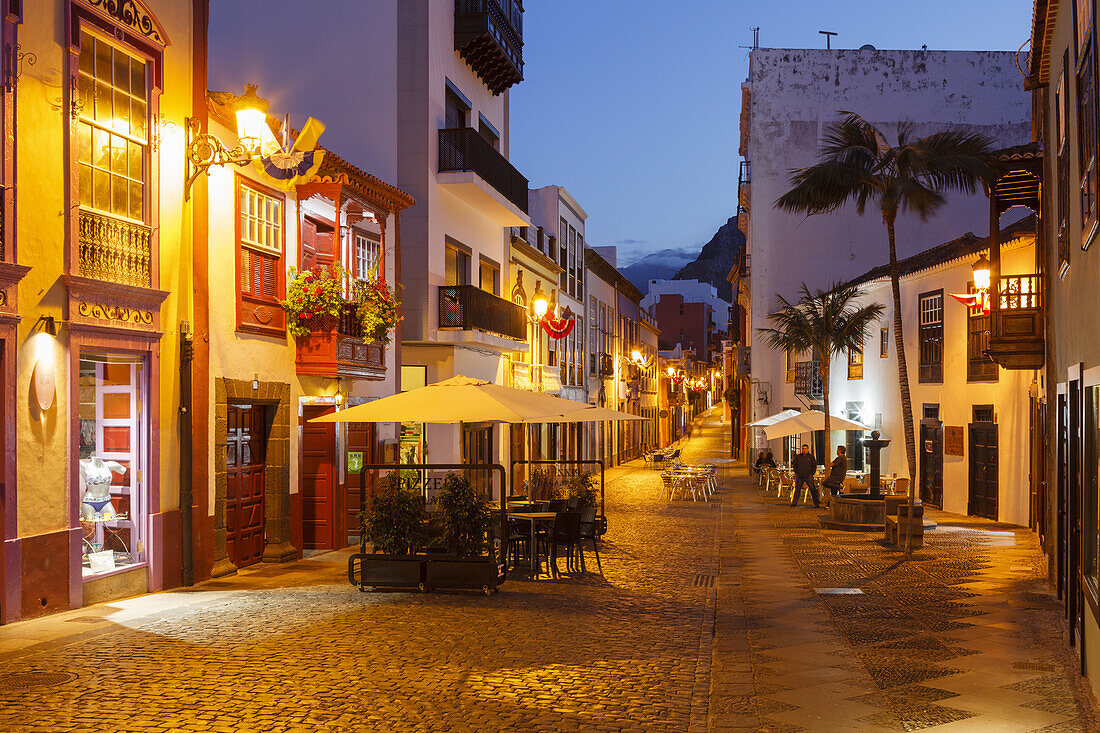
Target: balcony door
318 243
244 464
317 480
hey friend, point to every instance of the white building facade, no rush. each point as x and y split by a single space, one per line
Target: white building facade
787 102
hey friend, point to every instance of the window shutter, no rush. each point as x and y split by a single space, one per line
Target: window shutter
267 285
309 244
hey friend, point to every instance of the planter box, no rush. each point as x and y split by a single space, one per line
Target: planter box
386 571
478 573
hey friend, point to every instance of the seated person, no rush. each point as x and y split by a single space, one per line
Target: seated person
759 465
837 470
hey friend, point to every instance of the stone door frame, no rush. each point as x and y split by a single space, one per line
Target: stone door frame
277 546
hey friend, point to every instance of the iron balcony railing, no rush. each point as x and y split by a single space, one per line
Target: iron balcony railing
115 250
464 149
807 379
470 307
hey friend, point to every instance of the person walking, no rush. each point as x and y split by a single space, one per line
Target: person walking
804 465
834 482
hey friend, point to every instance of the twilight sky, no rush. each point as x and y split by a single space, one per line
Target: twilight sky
633 105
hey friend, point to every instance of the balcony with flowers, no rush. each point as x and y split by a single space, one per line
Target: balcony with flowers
341 327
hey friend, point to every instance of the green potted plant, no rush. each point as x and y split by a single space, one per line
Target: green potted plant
463 520
396 525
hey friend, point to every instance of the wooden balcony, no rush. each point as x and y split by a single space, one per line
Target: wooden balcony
335 348
469 307
1016 332
489 37
464 149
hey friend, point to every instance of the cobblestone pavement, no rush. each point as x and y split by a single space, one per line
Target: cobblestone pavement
963 636
706 617
296 648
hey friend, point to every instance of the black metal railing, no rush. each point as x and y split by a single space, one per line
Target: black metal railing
807 379
464 149
468 306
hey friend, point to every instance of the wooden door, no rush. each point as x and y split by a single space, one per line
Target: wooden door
1073 518
244 467
931 462
1062 531
983 470
318 243
317 475
361 437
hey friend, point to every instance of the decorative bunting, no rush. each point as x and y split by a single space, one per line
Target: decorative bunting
558 328
284 167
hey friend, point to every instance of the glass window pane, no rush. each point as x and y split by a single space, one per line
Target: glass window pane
118 155
137 201
138 119
102 60
87 58
84 143
101 148
101 107
138 86
122 72
121 120
84 184
119 196
101 190
136 158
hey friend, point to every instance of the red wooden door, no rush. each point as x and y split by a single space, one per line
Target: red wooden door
244 465
361 437
317 482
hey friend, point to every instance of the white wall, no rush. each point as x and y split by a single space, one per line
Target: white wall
879 393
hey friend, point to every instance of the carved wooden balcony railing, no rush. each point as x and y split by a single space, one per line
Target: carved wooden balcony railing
470 307
464 149
115 250
1016 334
335 348
489 37
807 379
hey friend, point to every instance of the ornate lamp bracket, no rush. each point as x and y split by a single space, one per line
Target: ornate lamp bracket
205 150
14 65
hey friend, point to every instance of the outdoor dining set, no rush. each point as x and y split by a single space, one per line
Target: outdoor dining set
681 480
539 530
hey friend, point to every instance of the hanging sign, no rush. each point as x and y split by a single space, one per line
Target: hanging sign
355 461
952 440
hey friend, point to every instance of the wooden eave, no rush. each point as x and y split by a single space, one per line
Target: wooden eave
1044 15
521 245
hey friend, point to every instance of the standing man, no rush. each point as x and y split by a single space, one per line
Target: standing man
834 482
804 465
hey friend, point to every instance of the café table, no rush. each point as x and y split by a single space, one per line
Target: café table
533 518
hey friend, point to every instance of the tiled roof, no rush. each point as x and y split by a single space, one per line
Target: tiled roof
967 244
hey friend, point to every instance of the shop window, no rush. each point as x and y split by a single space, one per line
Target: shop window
112 497
1091 485
260 260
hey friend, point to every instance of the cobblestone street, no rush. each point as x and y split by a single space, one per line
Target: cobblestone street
706 616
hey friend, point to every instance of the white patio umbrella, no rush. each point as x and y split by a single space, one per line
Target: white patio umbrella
808 422
459 399
589 414
773 419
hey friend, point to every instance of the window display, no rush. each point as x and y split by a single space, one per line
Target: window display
111 492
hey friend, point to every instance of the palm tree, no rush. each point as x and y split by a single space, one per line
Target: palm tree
857 163
827 322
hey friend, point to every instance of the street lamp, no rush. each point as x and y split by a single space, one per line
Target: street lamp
982 271
205 150
540 304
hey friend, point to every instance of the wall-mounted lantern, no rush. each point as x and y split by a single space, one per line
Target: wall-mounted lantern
205 149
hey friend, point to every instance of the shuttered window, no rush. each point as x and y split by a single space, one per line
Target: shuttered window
261 269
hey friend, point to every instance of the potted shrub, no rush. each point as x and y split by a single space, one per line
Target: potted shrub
463 520
540 486
395 523
313 300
